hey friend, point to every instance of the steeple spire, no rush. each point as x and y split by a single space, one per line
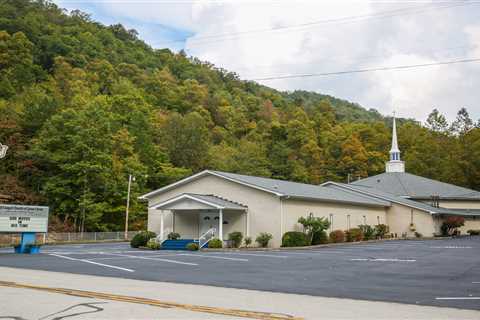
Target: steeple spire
395 164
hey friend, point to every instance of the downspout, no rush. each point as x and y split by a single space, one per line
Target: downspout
281 215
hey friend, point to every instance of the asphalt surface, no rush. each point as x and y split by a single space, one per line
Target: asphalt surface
428 272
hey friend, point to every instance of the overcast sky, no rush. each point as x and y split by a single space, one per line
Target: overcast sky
259 39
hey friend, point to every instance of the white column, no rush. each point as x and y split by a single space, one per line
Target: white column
220 224
161 226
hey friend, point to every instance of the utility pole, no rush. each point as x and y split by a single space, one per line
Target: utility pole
130 179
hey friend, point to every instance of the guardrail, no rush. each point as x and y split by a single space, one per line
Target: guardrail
69 237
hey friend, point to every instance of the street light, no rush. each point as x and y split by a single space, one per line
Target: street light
3 150
130 179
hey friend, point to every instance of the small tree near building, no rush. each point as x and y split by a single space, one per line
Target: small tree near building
451 224
312 225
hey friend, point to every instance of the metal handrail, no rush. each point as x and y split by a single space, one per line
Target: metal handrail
206 237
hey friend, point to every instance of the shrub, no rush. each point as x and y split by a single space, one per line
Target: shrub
173 236
215 243
474 232
320 238
337 236
312 224
153 244
368 231
263 239
248 241
192 246
450 225
236 238
381 230
354 234
418 234
294 239
141 239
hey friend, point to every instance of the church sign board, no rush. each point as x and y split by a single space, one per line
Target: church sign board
20 218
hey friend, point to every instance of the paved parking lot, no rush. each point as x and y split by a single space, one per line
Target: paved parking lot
430 272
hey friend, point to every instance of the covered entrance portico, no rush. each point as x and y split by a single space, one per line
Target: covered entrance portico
194 215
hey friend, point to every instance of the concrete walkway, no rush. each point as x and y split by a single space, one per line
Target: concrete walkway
29 304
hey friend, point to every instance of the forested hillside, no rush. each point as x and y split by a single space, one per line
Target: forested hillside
84 105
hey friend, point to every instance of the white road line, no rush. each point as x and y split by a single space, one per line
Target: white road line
255 255
384 260
451 247
92 262
213 257
154 259
457 298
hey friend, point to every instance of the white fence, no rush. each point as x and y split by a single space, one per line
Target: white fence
66 237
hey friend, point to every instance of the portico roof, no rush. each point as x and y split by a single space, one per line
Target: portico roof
198 201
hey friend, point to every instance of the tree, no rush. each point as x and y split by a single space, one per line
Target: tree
437 122
312 225
451 224
463 123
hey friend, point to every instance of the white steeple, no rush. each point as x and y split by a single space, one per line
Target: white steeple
395 164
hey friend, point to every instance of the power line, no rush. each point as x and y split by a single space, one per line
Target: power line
412 66
348 19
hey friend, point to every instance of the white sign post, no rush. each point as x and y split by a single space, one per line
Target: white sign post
19 218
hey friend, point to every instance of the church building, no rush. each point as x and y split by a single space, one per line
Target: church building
217 203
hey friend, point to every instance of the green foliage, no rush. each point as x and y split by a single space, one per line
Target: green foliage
215 243
312 225
294 239
368 232
141 239
450 225
381 230
173 236
236 237
84 105
354 234
320 237
153 244
337 236
192 246
247 241
263 239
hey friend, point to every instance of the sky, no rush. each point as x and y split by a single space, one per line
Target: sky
264 39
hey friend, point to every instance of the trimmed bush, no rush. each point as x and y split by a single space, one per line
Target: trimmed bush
294 239
337 236
236 238
141 239
368 232
381 230
248 241
354 234
153 244
418 234
192 246
215 243
474 232
173 236
320 238
263 239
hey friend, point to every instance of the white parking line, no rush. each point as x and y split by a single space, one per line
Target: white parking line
210 256
155 259
256 255
383 260
476 282
91 262
451 247
457 298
